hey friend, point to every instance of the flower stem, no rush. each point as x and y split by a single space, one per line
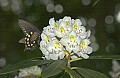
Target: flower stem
75 59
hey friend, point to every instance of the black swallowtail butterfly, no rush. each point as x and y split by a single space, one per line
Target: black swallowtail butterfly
32 34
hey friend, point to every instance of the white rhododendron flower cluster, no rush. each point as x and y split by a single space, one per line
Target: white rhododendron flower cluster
30 72
66 35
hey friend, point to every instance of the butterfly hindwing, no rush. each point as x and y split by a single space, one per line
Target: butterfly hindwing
32 34
35 36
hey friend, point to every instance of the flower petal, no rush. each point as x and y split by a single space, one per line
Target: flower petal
87 41
50 47
64 41
49 31
82 29
89 49
68 49
43 36
47 57
54 56
88 33
43 46
85 56
57 33
67 19
73 33
62 55
73 57
51 21
78 40
78 22
76 49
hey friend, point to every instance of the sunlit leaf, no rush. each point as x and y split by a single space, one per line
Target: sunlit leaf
72 73
87 73
115 57
109 57
23 64
54 68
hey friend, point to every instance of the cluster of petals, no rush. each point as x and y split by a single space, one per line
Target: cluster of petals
33 71
65 35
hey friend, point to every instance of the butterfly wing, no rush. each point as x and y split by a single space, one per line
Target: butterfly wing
36 36
27 27
31 32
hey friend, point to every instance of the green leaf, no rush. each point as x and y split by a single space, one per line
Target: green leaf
115 57
72 73
54 68
109 57
23 64
87 73
64 75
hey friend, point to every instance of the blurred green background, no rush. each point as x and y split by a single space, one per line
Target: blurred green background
102 17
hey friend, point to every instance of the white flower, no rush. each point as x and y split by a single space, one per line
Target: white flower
52 23
73 57
71 42
83 34
80 30
49 31
85 49
23 73
43 46
62 30
34 70
77 23
67 20
44 43
45 37
115 73
56 50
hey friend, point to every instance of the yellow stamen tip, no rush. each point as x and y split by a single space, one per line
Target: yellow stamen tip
57 44
62 29
76 26
55 25
83 44
68 22
46 38
72 38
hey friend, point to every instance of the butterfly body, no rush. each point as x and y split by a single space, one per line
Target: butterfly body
32 35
